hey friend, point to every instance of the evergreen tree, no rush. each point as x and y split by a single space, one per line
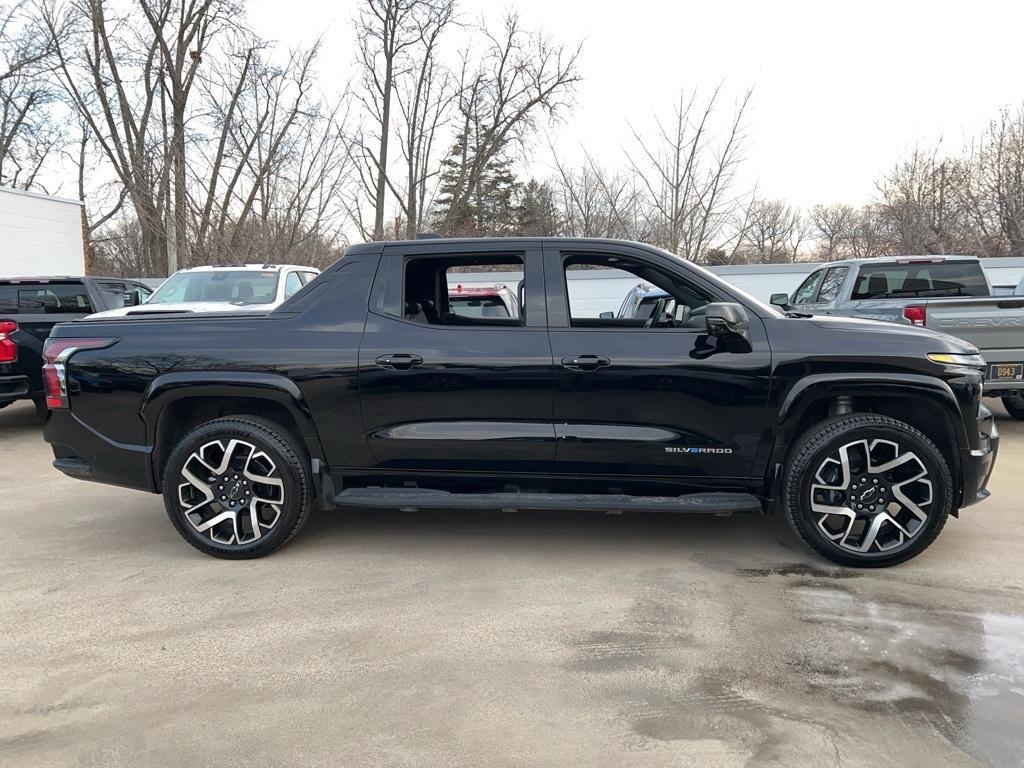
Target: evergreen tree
485 207
536 212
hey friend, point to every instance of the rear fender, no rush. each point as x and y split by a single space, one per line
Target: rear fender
173 387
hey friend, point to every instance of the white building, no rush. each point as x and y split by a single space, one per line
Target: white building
40 235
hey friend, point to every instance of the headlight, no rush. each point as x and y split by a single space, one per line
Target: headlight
947 358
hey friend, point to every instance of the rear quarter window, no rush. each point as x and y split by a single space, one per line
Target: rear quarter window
922 279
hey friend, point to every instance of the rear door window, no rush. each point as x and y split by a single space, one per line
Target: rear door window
44 298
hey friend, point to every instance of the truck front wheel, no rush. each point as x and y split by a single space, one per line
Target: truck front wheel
237 487
867 490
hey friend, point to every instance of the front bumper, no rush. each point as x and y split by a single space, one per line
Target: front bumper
977 464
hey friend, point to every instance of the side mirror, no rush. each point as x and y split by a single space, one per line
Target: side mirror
780 300
727 319
607 315
132 298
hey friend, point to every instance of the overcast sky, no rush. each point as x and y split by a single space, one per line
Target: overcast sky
840 89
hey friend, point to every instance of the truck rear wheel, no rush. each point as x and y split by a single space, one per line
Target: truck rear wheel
867 490
237 487
1014 406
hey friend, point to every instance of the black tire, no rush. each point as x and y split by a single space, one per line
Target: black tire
41 408
815 447
290 466
5 403
1014 406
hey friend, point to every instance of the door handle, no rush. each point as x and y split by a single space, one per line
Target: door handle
398 362
585 362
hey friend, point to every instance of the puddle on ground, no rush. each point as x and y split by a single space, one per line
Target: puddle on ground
808 664
963 674
801 569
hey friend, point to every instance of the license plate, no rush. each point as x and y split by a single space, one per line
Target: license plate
1006 371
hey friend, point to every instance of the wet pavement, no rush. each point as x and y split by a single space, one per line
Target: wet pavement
457 639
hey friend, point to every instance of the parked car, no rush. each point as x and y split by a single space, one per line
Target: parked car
648 302
947 293
866 437
222 289
30 307
499 301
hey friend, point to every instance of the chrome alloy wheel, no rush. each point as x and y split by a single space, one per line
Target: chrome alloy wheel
232 492
869 495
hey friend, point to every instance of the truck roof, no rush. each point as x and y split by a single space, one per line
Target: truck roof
908 259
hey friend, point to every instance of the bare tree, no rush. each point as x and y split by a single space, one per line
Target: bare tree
30 134
387 31
920 203
994 194
689 171
425 95
520 77
181 31
773 233
833 225
112 74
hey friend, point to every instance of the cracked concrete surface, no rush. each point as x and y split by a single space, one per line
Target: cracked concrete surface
474 639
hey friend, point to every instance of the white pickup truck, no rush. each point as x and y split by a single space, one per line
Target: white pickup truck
220 289
950 294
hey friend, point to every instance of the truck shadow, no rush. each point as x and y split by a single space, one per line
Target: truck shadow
546 532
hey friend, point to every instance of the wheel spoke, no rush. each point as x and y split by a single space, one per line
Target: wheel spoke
236 487
871 495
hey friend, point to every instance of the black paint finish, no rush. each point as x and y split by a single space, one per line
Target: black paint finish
662 410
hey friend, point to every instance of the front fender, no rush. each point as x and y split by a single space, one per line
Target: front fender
815 388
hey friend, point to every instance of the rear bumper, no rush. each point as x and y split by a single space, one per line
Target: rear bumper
14 388
977 463
82 452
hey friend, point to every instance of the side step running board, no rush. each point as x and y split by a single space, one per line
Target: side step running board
421 498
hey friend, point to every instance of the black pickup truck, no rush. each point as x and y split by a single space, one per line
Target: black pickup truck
30 307
368 388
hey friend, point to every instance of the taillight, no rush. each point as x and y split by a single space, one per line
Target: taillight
55 354
914 315
8 349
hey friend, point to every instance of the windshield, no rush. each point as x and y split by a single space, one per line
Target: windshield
236 287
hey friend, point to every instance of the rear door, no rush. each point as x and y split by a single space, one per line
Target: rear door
448 392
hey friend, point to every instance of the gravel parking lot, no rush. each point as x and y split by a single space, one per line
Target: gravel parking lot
452 639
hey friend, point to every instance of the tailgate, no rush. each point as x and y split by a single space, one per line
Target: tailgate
993 324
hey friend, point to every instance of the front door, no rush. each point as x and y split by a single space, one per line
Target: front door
455 371
652 395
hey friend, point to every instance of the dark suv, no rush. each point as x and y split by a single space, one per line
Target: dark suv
370 388
31 306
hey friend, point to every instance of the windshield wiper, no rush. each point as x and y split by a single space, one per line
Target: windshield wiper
795 314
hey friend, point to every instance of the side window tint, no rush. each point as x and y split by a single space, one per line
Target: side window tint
292 284
830 286
808 290
656 299
305 277
463 290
